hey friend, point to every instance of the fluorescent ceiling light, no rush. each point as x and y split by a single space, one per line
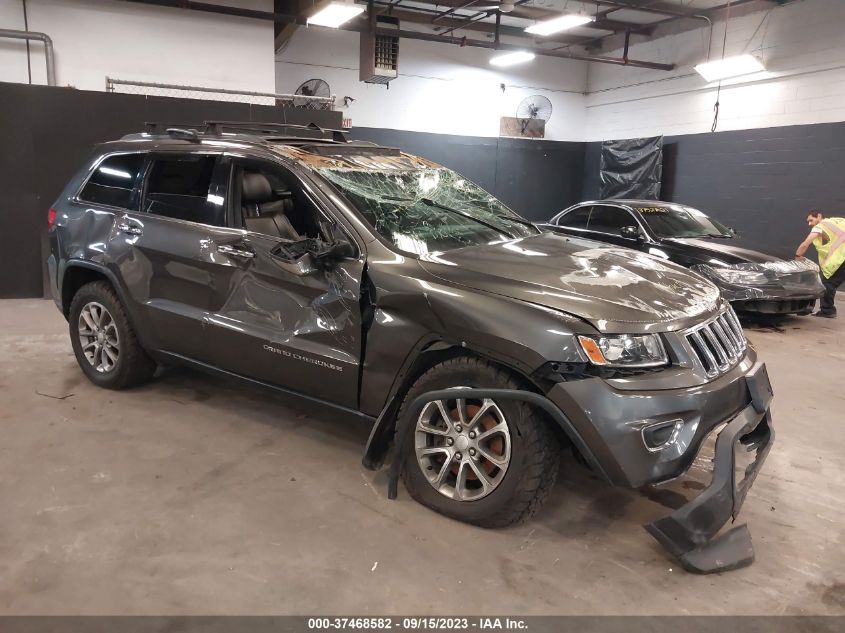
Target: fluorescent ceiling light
334 14
509 59
558 24
730 67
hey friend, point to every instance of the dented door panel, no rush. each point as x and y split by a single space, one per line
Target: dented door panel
292 324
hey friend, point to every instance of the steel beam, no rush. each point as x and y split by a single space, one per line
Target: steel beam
357 26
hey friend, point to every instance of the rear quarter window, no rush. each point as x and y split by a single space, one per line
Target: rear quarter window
113 181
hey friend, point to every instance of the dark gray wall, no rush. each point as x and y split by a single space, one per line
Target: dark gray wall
761 182
536 178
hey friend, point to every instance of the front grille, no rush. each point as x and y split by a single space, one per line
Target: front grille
719 343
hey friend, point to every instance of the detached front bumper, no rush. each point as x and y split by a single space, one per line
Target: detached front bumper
689 533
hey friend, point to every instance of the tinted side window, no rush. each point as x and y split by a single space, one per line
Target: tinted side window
178 188
576 219
610 219
113 181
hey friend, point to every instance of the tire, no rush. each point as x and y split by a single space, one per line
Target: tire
534 450
123 363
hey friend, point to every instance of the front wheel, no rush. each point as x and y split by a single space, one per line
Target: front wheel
481 461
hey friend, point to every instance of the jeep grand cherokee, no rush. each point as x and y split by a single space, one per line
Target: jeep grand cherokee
383 284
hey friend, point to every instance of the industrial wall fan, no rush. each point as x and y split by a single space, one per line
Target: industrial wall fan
312 88
534 108
531 116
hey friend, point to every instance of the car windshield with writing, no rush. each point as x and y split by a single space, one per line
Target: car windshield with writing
680 221
424 211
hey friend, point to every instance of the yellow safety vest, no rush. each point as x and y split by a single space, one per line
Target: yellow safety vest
831 254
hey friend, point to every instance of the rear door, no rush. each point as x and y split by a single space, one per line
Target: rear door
167 249
286 320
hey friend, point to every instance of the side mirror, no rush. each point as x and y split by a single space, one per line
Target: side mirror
631 233
327 253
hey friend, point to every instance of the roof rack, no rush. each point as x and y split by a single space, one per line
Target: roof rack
154 127
216 127
258 128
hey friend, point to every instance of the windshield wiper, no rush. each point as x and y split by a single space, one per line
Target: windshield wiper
469 216
489 225
519 220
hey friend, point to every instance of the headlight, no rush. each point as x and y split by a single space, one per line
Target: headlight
749 274
739 277
625 350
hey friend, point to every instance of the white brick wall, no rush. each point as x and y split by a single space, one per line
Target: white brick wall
441 88
802 45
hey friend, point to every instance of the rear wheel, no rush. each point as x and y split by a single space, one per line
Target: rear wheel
481 461
104 342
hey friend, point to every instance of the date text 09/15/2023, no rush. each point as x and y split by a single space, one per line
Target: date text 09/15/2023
416 623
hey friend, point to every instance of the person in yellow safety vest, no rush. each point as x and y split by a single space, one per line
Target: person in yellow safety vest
828 236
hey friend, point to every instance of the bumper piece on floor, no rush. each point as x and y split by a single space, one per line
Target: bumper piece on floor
689 533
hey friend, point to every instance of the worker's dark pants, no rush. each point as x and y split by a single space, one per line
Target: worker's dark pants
830 285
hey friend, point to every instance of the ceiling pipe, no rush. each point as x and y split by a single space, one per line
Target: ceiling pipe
560 54
285 18
477 17
48 48
466 4
618 5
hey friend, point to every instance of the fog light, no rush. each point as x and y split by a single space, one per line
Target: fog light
661 435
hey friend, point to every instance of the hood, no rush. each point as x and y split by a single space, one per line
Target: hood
609 287
730 250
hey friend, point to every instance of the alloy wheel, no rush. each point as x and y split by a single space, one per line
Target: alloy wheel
463 447
98 337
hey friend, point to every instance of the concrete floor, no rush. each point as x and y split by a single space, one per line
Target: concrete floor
195 495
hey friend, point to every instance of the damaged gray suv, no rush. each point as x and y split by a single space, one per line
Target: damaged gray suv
387 286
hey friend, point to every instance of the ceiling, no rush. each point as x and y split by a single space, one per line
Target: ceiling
500 24
476 19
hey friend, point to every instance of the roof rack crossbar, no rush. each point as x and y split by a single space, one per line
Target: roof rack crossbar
258 128
155 126
214 126
303 140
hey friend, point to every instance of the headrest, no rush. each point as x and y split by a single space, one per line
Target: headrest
255 188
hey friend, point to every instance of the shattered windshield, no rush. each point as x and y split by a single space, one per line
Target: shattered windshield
677 221
428 210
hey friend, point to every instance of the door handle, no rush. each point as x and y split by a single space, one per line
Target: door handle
130 229
235 252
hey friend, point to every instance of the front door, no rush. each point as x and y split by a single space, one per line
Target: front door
288 321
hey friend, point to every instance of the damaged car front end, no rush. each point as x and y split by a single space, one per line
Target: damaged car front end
752 279
770 287
636 361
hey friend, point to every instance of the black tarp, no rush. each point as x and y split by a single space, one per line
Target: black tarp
632 168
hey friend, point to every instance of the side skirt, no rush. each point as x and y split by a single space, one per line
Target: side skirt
185 360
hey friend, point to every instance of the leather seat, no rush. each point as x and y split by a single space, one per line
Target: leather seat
263 210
